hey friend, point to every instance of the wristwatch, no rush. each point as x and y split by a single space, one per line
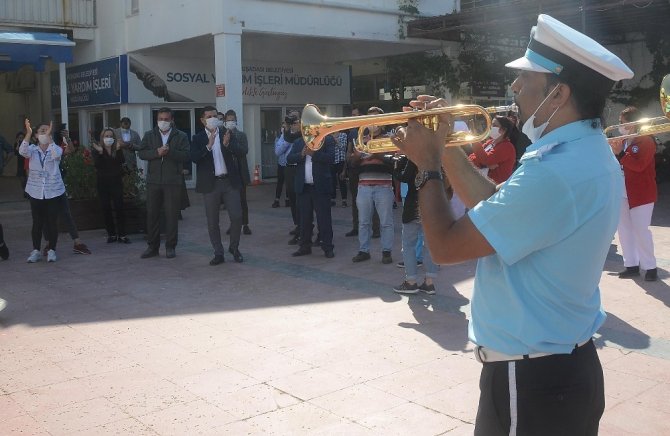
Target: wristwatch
423 176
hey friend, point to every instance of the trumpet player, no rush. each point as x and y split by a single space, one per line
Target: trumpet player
636 156
541 237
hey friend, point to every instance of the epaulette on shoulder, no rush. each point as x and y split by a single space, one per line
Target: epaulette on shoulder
539 153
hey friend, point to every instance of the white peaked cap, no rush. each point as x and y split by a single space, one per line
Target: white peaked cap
560 49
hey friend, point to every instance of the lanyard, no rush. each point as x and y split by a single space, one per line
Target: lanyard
42 159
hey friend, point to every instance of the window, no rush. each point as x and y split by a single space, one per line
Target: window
133 7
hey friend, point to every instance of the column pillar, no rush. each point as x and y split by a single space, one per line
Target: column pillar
63 95
228 70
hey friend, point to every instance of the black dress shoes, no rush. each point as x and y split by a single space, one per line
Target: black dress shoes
329 254
217 260
651 275
149 252
630 271
170 253
236 255
353 232
302 251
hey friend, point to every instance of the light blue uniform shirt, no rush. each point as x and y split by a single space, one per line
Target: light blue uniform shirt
551 225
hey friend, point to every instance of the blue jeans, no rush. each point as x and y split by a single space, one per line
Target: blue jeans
410 235
375 197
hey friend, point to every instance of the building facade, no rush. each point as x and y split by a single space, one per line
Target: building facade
258 57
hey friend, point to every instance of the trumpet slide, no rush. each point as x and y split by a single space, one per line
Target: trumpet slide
316 126
645 126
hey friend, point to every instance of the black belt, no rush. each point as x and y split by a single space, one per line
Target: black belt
221 177
291 165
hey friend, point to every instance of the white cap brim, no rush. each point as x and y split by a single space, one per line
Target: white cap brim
524 63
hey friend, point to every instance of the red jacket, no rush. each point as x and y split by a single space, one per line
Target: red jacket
503 155
639 171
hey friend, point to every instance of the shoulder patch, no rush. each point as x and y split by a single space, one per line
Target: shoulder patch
635 149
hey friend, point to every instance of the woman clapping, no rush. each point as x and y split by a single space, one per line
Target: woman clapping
44 186
108 159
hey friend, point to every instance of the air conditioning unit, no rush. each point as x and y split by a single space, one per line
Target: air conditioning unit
23 80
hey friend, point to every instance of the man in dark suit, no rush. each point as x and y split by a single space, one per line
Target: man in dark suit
165 149
230 123
313 186
216 154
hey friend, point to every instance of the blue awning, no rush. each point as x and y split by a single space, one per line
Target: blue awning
19 49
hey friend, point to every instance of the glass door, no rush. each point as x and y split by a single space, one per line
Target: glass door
95 125
271 119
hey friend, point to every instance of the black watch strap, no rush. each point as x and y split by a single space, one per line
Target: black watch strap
424 176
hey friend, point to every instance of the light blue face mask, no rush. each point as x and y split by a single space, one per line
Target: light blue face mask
534 133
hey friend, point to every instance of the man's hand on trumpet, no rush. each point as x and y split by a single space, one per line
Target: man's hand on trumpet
616 144
306 151
424 146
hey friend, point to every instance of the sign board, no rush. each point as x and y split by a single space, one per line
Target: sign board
137 78
93 84
489 89
279 83
153 79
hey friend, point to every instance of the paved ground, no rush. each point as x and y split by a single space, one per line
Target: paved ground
111 344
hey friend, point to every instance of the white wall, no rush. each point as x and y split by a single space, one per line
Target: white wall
166 21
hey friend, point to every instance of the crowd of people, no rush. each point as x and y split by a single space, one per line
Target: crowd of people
310 179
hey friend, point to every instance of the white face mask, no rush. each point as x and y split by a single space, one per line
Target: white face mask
230 124
43 139
212 123
495 132
108 141
164 126
534 133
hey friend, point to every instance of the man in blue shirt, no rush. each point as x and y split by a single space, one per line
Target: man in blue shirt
541 237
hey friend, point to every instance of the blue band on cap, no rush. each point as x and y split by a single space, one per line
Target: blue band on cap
543 62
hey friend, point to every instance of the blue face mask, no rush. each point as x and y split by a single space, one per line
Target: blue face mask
534 133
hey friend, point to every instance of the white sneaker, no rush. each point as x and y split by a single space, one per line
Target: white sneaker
51 256
35 256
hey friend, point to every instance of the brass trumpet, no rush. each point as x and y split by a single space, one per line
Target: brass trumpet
315 126
647 126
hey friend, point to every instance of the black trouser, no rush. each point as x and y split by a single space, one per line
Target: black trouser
311 201
245 205
560 394
280 182
65 214
45 219
353 187
223 193
168 197
290 192
335 171
111 192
